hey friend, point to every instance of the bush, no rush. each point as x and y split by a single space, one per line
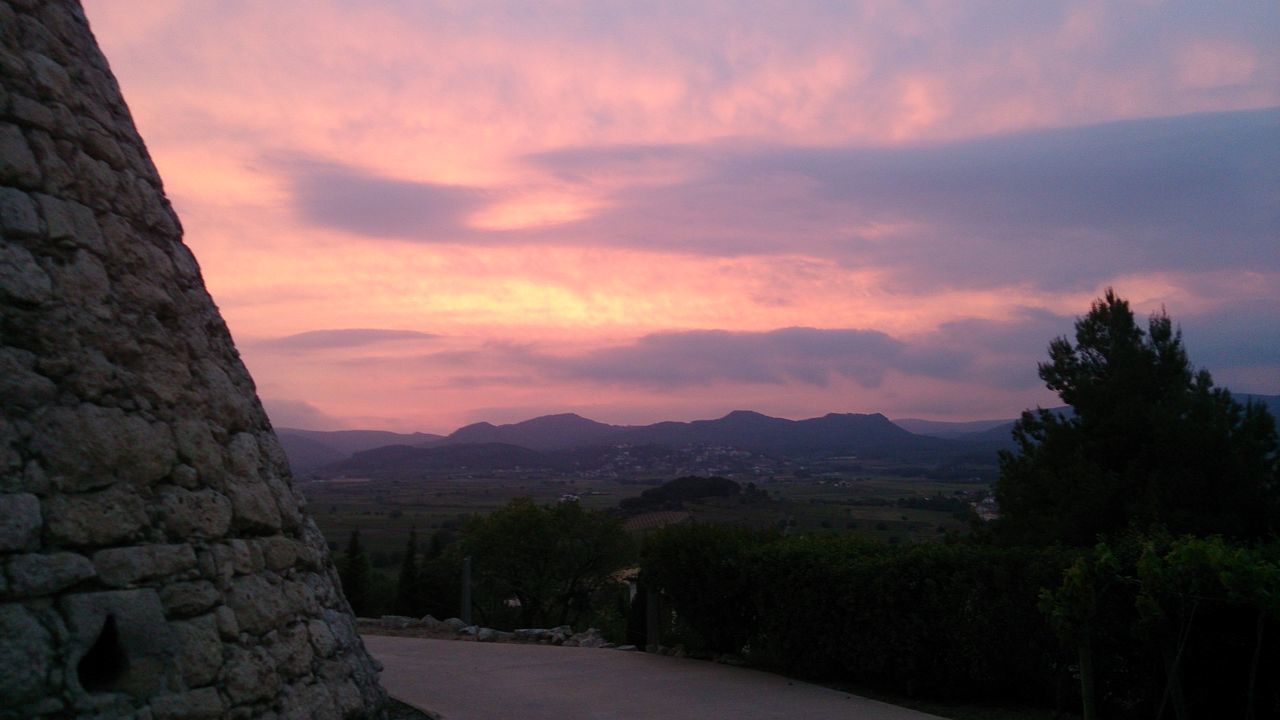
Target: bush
708 573
536 566
955 621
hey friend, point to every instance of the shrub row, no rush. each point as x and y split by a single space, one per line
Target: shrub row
1167 626
943 620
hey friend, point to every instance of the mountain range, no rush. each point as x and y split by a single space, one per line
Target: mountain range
569 441
572 441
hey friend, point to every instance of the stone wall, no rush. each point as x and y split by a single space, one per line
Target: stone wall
155 561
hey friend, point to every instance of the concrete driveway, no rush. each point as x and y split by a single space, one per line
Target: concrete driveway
463 680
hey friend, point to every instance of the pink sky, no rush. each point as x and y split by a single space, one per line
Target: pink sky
417 215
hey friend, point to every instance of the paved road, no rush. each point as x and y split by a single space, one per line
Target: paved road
484 681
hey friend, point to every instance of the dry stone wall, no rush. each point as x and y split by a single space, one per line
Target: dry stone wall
155 559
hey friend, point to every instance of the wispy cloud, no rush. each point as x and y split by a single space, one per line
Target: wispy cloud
361 203
1067 208
338 338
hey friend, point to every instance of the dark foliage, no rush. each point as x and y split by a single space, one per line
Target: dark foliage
355 570
1151 443
408 584
956 621
671 495
536 566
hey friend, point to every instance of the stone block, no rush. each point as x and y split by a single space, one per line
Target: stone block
17 163
195 514
119 643
309 702
119 567
23 389
299 597
347 696
259 606
291 650
101 146
57 176
242 455
254 507
95 181
97 518
34 575
343 627
29 112
322 638
26 656
21 277
58 219
278 552
84 282
50 75
201 704
200 649
18 217
184 599
249 676
19 521
197 448
246 556
228 626
89 446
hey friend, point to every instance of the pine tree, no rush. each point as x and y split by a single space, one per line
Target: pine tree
1150 443
354 570
408 587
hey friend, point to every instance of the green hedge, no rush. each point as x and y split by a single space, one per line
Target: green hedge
1185 624
937 620
940 620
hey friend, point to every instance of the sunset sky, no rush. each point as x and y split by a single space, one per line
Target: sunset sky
415 215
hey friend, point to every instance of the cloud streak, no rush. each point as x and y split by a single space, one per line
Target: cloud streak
353 201
1065 208
339 338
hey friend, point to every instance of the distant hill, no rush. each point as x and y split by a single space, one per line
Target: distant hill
943 429
833 434
549 432
994 433
571 442
306 454
1001 431
406 461
311 449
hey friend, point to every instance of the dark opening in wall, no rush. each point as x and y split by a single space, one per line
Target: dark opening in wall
104 667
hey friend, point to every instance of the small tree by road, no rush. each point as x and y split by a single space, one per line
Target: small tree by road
551 563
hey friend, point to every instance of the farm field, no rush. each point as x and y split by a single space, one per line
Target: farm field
384 511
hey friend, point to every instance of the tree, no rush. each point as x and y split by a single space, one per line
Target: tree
407 585
552 561
440 577
1150 442
354 571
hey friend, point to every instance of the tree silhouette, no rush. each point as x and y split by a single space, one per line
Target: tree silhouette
354 571
1150 443
408 587
551 561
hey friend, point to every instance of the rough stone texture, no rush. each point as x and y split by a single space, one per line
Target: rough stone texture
19 521
155 561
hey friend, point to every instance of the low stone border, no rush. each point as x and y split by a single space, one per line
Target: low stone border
457 629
